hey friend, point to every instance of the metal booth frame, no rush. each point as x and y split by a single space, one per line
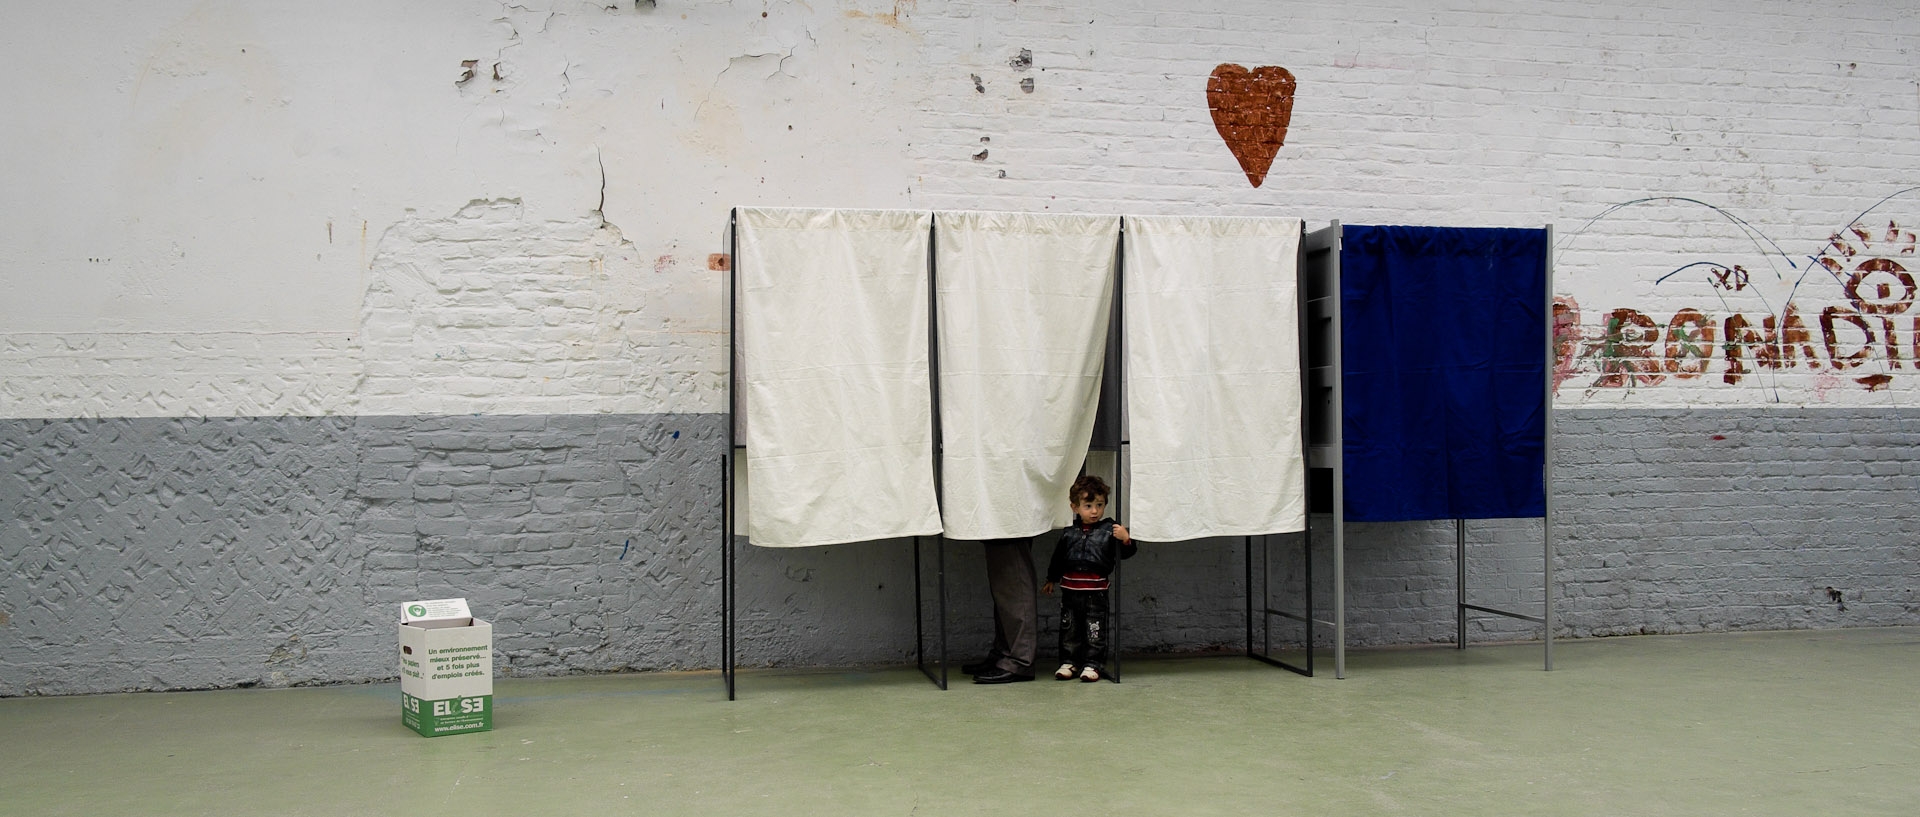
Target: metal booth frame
729 568
1317 313
1119 444
1321 272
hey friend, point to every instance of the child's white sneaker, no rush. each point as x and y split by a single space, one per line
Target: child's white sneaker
1089 675
1064 673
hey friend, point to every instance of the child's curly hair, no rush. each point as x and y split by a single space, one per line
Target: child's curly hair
1088 487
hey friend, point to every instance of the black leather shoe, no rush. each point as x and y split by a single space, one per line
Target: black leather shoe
980 666
1001 677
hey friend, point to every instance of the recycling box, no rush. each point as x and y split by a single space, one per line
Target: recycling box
446 668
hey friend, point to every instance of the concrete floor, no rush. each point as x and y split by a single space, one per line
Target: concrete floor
1760 723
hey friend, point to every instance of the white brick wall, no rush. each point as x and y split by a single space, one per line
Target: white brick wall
221 197
1781 122
244 173
490 312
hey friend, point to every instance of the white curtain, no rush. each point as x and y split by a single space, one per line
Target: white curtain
1024 302
833 327
1213 377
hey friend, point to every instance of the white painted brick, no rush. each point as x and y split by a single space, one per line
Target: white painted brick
1436 116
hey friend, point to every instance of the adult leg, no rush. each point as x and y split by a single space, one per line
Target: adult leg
1016 612
999 647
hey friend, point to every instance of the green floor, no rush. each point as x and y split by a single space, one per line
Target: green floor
1794 723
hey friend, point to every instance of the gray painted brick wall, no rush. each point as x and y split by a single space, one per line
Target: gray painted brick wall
1684 521
188 553
192 553
1667 521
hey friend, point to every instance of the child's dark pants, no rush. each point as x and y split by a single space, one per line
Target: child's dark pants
1083 628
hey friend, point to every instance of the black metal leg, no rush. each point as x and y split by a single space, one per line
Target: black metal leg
1306 556
1269 611
1113 630
940 553
919 613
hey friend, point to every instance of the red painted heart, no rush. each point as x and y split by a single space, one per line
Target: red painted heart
1251 110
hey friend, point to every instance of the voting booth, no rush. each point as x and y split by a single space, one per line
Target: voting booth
940 375
1430 389
935 376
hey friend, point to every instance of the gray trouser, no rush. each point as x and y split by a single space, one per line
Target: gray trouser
1016 612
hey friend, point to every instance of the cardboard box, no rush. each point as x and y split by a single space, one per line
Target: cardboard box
446 669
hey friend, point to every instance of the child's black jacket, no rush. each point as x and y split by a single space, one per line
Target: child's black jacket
1088 549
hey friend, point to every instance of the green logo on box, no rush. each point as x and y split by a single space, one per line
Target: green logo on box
417 610
450 716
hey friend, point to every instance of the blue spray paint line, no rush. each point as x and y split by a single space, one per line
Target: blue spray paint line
623 549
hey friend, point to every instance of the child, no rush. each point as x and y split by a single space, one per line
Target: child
1088 551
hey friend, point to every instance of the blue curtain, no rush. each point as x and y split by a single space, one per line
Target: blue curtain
1443 365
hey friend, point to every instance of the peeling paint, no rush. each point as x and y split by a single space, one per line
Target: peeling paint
289 652
893 19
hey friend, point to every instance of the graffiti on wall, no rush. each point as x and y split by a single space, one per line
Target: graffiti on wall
1251 110
1840 318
